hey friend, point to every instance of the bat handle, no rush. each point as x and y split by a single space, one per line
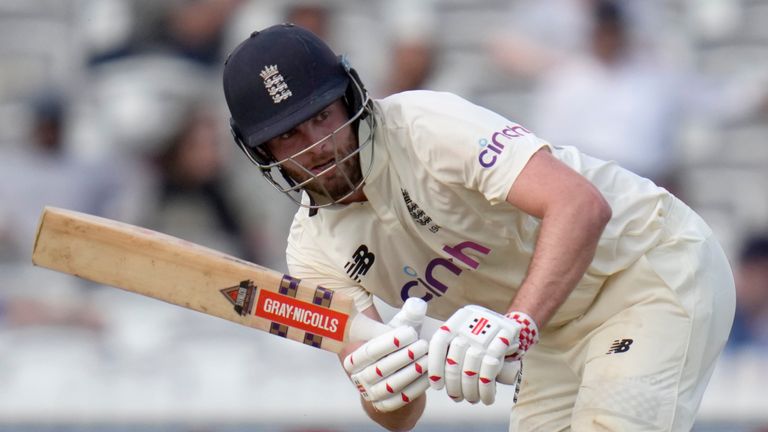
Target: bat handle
363 328
411 314
511 372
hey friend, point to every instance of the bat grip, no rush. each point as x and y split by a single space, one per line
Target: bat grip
411 314
509 373
364 328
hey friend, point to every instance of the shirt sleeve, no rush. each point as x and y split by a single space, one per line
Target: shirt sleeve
306 262
464 144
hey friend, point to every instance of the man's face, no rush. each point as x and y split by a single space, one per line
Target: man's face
323 156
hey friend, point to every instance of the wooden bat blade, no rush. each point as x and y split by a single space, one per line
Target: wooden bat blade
192 276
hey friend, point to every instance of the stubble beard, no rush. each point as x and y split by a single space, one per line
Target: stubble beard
333 184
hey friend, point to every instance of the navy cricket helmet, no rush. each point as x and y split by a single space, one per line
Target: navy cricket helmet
278 78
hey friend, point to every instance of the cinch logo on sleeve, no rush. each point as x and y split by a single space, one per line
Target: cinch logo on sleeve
430 286
499 140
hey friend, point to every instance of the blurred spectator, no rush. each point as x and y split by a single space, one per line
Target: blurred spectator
540 35
614 96
412 62
147 95
615 103
750 326
193 30
311 15
403 38
44 172
413 49
192 198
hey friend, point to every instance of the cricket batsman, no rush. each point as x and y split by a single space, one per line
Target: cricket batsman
613 294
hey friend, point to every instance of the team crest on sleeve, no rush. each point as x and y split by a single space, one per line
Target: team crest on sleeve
275 84
362 261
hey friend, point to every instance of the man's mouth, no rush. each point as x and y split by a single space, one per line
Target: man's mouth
317 169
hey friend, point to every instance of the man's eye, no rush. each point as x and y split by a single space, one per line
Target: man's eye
323 115
287 135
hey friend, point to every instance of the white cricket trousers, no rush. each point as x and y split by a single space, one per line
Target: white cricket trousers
640 357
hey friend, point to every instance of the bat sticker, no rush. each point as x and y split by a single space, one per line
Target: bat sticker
306 316
241 296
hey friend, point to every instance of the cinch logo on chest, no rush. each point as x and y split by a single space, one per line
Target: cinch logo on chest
433 286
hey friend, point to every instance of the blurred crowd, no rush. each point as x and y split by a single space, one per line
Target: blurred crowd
114 107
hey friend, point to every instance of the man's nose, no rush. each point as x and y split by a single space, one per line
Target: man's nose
313 135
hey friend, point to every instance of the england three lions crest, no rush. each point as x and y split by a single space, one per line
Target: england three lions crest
275 84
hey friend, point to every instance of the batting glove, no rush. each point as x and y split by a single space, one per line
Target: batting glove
469 351
389 370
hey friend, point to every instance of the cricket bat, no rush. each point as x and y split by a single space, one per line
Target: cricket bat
189 275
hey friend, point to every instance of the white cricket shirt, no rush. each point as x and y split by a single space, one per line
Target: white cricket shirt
436 224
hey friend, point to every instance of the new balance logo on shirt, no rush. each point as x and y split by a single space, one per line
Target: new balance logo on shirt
620 346
361 262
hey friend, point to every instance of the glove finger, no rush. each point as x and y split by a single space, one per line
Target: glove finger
394 362
378 347
410 393
362 387
489 369
415 389
503 343
438 350
510 372
471 373
396 382
454 363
